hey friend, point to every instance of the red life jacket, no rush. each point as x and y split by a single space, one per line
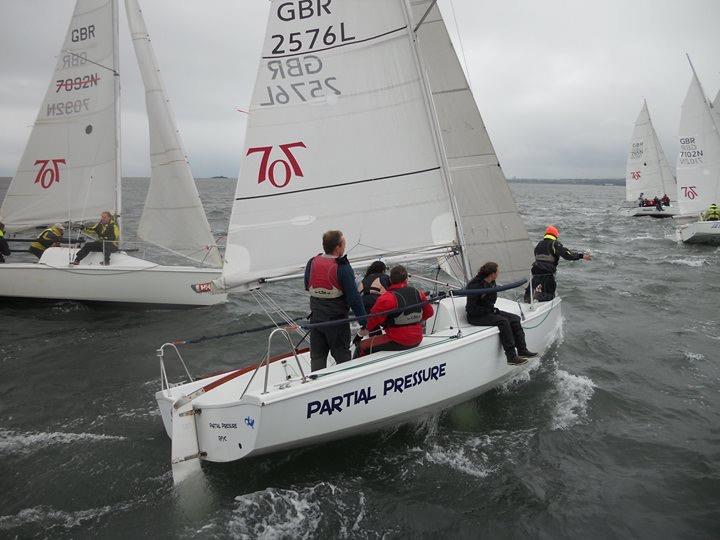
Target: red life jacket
323 282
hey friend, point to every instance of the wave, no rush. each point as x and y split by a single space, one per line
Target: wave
695 263
48 517
12 442
573 394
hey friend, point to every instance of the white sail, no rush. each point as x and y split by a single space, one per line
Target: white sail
173 216
492 228
69 169
698 165
647 170
339 137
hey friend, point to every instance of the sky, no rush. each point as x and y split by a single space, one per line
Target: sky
559 83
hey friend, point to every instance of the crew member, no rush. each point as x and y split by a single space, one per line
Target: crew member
4 248
665 200
481 311
331 282
403 330
547 257
641 200
51 237
375 283
107 233
712 213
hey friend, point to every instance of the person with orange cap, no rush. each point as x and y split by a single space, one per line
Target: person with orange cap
547 257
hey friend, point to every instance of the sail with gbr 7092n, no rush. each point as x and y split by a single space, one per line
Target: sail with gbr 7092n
342 134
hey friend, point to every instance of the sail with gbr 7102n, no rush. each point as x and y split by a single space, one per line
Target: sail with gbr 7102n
346 132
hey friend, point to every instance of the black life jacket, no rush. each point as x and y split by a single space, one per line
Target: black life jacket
545 252
407 296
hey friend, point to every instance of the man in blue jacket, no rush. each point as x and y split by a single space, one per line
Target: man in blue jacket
330 280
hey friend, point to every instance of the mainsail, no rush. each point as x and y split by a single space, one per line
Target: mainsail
173 216
69 169
490 223
698 165
647 170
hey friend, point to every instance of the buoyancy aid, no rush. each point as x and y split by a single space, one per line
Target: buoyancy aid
323 282
712 213
545 252
45 240
371 285
406 296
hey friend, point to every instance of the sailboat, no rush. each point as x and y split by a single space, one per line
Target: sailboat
698 165
70 172
362 120
647 172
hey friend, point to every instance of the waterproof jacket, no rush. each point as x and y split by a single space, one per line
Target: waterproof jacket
335 275
371 287
479 305
548 252
46 239
4 248
712 214
109 232
408 335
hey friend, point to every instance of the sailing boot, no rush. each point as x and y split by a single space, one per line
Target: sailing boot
524 353
512 358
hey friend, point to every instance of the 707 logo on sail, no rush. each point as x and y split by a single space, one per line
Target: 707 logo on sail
49 172
689 192
290 166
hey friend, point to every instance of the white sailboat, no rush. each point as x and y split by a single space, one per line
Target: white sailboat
647 172
698 165
362 119
70 171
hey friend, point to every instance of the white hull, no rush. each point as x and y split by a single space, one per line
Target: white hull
701 232
643 211
362 395
127 279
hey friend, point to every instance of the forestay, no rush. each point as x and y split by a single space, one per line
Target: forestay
492 227
339 137
647 170
173 216
698 165
69 168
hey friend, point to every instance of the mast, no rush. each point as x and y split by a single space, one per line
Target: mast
116 80
437 135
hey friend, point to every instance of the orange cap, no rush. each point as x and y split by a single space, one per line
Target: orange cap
552 230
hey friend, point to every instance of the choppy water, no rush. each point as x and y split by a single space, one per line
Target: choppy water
616 432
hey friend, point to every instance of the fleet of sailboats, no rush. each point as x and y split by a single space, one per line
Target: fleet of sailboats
70 172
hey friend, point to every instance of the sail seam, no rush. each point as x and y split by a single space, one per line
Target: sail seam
354 42
339 185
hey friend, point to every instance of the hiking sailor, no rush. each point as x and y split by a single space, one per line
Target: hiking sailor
48 238
107 232
547 257
330 280
403 330
4 248
711 214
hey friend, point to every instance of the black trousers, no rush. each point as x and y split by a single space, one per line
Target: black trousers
512 335
329 339
97 246
547 280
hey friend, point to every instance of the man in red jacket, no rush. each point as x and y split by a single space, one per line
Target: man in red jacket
403 330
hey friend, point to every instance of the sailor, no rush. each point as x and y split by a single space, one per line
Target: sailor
481 311
547 257
712 213
48 238
4 248
665 200
657 203
641 199
375 283
330 280
107 233
402 330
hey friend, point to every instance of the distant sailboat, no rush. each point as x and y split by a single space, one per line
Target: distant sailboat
698 165
70 172
647 172
362 120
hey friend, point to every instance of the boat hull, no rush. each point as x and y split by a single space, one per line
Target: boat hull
363 395
126 280
701 232
651 211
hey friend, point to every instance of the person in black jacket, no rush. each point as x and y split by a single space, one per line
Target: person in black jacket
4 248
547 257
375 283
481 311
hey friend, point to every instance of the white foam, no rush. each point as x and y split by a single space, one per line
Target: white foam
12 442
694 356
573 394
694 263
289 513
457 458
49 517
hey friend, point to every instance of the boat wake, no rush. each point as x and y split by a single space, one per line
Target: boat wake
573 395
12 442
48 518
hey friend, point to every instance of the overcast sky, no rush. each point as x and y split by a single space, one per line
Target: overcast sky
559 83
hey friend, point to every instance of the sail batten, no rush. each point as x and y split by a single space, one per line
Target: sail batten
173 217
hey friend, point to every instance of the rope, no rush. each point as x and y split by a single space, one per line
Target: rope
229 334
